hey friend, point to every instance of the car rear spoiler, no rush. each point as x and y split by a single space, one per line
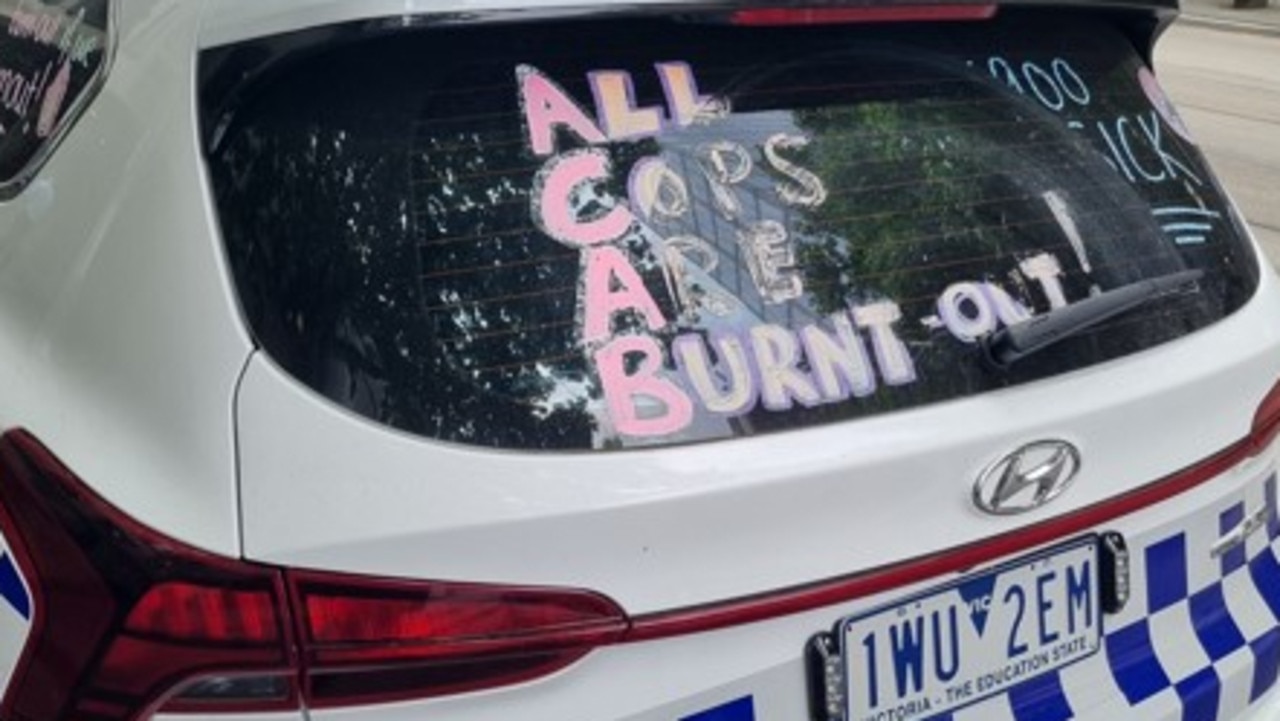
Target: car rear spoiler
228 22
270 33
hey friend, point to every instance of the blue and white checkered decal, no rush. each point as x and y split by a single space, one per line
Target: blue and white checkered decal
15 614
1199 640
742 709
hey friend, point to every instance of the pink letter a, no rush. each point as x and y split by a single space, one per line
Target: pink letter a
605 266
545 106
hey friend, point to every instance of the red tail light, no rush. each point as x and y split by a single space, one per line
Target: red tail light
1266 422
122 614
127 621
379 641
866 14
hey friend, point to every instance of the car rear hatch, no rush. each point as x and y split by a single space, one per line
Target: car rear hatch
718 319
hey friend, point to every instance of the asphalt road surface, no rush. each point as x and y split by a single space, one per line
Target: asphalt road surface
1227 87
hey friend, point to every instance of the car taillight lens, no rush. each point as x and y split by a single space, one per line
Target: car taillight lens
1266 421
127 621
122 614
378 641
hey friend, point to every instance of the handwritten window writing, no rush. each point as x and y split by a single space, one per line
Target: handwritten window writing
790 368
610 285
605 235
51 55
1136 144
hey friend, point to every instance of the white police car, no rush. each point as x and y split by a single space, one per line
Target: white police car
405 359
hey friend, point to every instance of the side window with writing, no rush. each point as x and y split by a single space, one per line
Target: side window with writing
53 56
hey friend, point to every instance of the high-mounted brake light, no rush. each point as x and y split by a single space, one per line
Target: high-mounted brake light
763 17
127 621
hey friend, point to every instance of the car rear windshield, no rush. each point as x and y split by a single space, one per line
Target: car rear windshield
600 234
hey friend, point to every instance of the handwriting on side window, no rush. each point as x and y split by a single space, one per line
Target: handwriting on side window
33 99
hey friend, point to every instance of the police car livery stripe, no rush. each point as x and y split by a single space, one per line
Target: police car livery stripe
1234 558
1040 699
1190 643
1199 640
742 709
12 589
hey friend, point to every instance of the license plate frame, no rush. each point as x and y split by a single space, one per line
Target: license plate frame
875 688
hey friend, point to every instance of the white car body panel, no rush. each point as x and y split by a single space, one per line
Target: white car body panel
1266 708
683 677
149 387
128 374
638 530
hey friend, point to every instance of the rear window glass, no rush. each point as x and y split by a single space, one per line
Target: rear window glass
52 54
598 235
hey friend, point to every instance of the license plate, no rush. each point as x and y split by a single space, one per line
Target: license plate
958 644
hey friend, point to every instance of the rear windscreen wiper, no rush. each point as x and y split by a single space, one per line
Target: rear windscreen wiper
1008 345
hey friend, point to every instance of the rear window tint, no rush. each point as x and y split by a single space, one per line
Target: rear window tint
52 57
599 235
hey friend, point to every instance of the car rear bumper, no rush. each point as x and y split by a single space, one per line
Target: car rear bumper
1198 639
